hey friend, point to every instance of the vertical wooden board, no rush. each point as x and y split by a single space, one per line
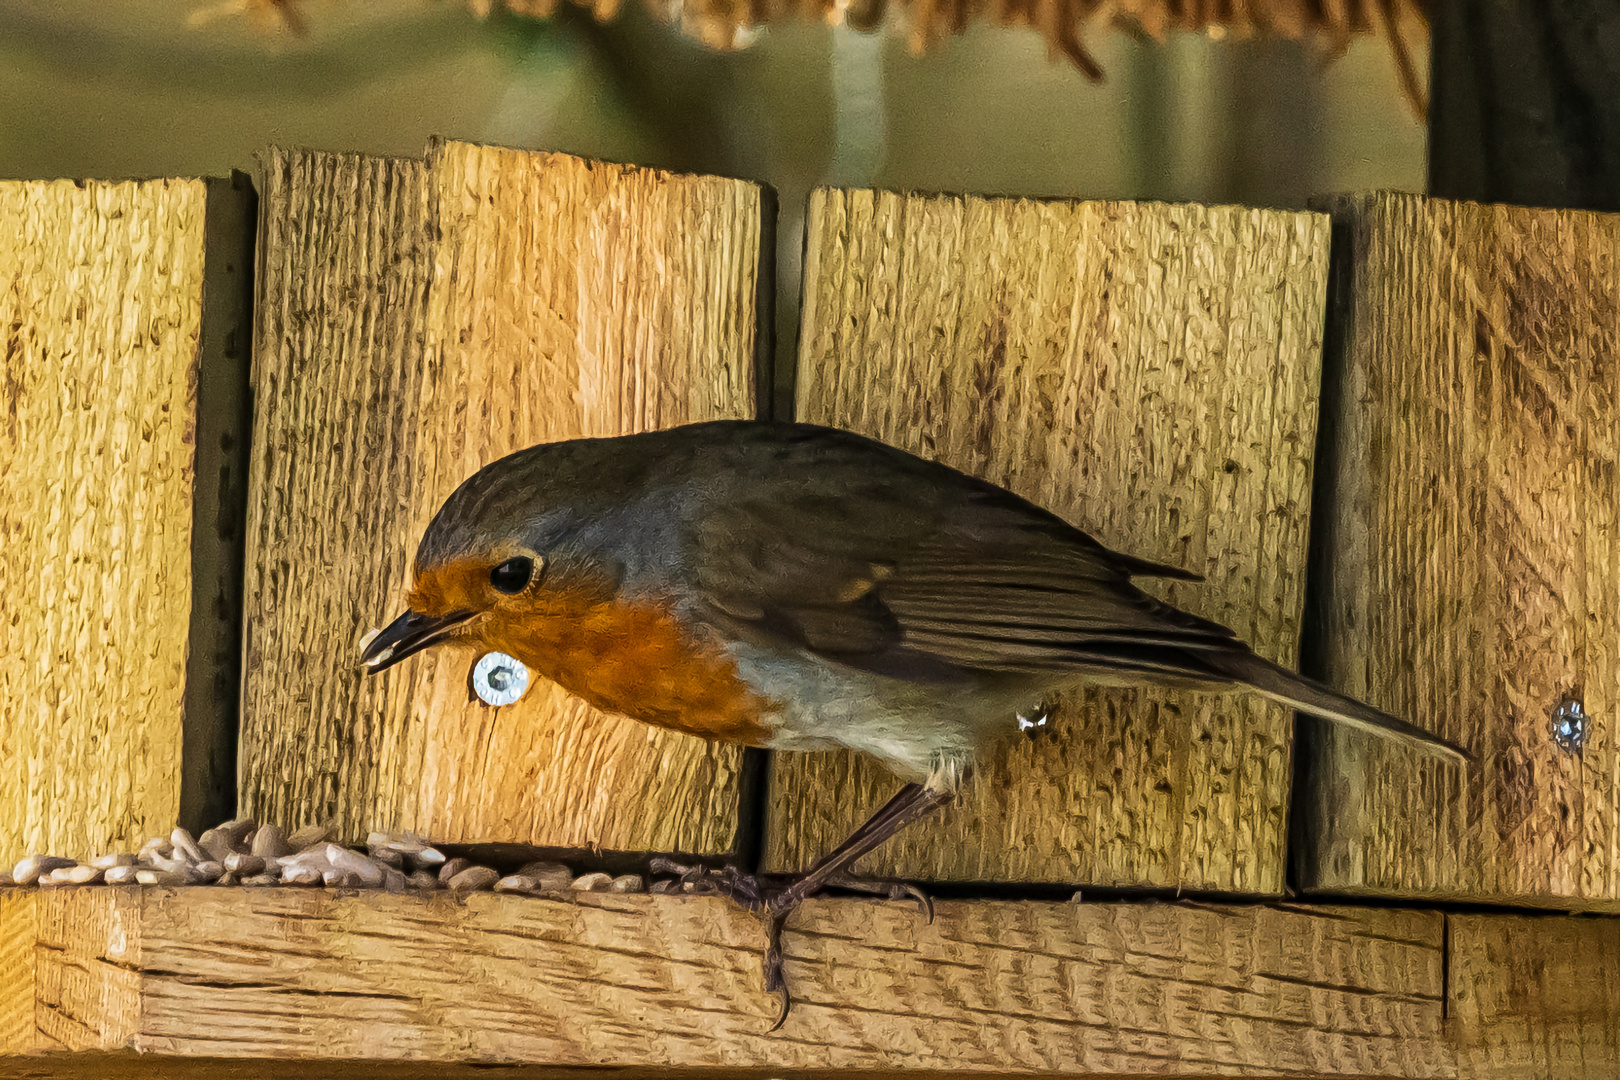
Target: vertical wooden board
517 298
1469 578
1150 373
338 357
100 315
573 298
1535 996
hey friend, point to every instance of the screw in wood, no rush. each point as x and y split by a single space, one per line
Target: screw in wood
1569 725
499 679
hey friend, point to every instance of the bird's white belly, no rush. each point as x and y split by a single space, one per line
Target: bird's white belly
921 734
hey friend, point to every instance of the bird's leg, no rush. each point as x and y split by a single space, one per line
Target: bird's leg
909 803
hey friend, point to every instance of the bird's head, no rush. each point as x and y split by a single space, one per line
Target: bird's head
497 556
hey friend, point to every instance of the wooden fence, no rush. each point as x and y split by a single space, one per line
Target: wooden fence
1390 425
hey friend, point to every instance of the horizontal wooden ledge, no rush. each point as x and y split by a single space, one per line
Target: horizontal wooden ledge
320 983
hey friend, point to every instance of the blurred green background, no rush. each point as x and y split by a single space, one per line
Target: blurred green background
118 88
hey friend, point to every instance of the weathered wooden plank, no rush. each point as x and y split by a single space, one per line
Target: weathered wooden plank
647 982
1535 996
18 933
1149 372
514 298
102 316
1469 579
343 268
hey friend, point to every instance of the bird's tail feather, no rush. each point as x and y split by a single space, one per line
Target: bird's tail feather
1281 685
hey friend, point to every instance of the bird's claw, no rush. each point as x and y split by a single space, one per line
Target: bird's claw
776 904
742 889
775 977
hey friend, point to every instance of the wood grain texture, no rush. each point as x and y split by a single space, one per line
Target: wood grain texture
100 314
648 982
1470 577
1149 372
1535 996
430 319
343 269
18 934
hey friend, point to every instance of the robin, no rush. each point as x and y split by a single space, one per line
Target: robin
801 588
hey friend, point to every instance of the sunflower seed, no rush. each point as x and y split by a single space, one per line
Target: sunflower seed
473 879
268 841
308 837
185 845
31 868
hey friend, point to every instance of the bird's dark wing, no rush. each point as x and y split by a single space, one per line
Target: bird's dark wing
922 572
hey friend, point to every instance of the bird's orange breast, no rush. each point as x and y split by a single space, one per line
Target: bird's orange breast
637 660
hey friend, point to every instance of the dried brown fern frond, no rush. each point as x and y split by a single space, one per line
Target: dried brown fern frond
730 24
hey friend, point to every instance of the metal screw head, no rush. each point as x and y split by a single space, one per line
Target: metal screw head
499 679
1033 722
1569 721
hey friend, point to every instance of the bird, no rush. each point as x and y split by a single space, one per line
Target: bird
798 587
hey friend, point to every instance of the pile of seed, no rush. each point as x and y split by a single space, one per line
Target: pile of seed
244 852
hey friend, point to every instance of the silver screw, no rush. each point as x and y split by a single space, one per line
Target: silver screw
1569 725
1032 722
499 679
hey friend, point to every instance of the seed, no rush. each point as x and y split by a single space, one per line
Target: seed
403 843
185 845
552 876
473 879
217 844
592 883
387 857
244 865
352 862
107 862
239 830
168 866
452 868
209 870
31 868
393 880
308 837
627 883
341 879
428 856
167 877
423 879
300 874
517 883
75 875
268 841
120 875
259 880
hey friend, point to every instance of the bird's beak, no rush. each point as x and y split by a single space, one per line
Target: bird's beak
410 633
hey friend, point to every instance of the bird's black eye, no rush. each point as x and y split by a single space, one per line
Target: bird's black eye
512 576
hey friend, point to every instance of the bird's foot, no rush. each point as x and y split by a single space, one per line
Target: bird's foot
776 902
744 890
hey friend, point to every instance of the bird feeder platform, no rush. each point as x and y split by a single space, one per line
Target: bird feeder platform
157 982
